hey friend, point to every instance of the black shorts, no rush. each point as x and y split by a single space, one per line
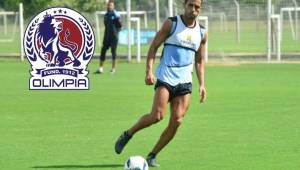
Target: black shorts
111 42
174 91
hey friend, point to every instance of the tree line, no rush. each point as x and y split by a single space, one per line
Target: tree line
32 7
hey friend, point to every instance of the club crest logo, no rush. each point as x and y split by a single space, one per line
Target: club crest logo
59 43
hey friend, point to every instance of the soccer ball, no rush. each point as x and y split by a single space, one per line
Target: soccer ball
136 163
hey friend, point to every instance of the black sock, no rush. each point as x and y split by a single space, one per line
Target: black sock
151 155
127 134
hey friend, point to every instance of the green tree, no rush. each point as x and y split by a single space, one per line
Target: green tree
32 7
10 5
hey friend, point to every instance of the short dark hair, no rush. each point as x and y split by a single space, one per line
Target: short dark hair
185 1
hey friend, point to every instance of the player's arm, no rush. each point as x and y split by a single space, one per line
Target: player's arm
199 65
159 38
118 21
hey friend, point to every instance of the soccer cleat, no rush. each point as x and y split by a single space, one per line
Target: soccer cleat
121 142
152 161
99 71
112 71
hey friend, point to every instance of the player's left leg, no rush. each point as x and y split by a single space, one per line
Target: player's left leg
179 106
114 46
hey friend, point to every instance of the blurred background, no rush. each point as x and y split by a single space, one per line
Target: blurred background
237 28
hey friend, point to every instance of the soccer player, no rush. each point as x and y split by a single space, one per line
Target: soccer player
184 44
112 23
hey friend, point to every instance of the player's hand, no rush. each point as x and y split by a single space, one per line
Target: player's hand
202 93
149 79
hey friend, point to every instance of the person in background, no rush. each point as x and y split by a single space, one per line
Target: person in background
113 25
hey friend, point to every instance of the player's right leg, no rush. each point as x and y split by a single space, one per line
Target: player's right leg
102 57
159 106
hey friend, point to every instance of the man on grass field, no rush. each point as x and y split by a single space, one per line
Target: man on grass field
184 42
113 25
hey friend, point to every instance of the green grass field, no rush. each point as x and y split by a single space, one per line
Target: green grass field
249 121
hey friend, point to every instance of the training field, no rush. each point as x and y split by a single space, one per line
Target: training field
249 121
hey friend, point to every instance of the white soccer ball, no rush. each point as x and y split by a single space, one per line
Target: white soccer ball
136 163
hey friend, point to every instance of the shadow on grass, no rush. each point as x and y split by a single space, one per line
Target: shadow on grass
108 166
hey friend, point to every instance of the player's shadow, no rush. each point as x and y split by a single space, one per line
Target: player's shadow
104 166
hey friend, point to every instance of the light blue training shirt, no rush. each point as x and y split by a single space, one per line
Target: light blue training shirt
176 64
